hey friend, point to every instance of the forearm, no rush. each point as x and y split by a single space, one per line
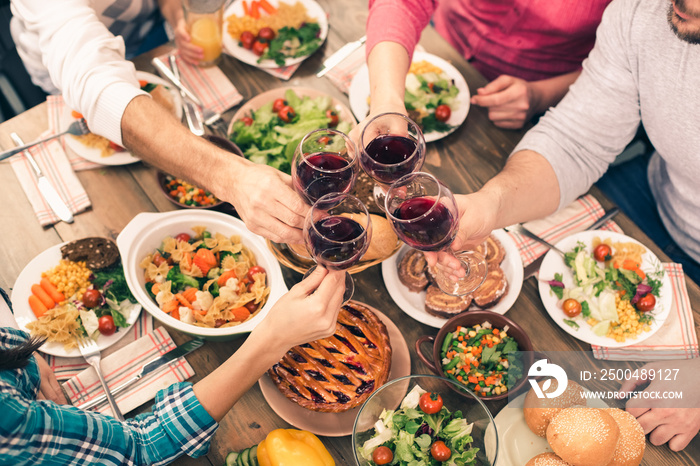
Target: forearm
548 92
388 64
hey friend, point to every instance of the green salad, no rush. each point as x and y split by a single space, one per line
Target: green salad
430 98
422 432
292 43
270 137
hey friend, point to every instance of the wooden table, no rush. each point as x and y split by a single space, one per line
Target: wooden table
465 161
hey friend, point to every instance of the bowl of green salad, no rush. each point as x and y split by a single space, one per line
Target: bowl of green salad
424 420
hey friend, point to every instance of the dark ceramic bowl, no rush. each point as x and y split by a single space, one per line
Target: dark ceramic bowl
220 205
469 319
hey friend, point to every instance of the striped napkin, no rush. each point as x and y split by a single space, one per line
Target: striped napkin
284 73
211 85
59 118
125 364
54 163
65 368
676 339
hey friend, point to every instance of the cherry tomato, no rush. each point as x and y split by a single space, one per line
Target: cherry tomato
278 104
247 121
382 455
247 39
266 33
324 140
286 114
571 307
440 451
253 270
116 147
93 298
602 252
106 325
333 116
430 403
646 303
251 306
260 47
443 112
183 237
158 259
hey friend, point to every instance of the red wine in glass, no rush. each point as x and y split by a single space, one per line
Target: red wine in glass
337 242
428 225
389 157
323 173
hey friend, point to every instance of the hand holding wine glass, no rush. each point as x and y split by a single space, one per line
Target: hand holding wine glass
337 232
424 214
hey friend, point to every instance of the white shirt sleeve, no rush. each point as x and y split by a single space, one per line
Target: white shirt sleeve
84 60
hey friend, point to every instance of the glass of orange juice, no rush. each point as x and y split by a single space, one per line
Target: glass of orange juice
205 20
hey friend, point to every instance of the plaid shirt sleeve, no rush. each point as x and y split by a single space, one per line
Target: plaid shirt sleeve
42 432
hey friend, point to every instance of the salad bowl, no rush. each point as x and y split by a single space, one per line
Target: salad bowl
145 233
381 421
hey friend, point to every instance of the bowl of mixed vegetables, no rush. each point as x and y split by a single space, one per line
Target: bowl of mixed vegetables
485 352
424 420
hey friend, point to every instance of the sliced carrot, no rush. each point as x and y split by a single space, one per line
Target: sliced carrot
246 9
37 306
190 294
473 379
51 289
155 288
630 264
176 313
181 299
640 272
143 83
75 114
207 256
225 276
170 306
201 264
240 314
254 11
43 296
269 9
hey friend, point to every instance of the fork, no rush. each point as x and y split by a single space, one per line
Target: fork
91 353
77 128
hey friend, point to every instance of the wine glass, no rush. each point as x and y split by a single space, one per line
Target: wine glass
337 232
392 146
424 215
324 162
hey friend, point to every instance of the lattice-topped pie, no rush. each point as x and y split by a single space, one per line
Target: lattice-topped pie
337 373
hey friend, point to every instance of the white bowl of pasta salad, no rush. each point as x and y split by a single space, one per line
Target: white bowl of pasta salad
201 272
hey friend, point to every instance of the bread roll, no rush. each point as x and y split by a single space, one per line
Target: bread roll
583 436
383 237
540 411
630 446
547 459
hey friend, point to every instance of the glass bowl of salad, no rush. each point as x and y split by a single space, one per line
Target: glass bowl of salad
485 352
424 420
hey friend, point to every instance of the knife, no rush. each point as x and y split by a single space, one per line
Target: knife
193 115
531 269
165 71
340 55
151 366
45 187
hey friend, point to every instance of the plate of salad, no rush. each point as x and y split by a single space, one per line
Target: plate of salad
423 420
268 127
608 290
106 295
274 33
436 96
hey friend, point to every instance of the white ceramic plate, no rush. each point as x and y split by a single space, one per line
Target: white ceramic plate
145 233
554 263
413 303
118 158
231 47
335 424
359 93
21 291
517 444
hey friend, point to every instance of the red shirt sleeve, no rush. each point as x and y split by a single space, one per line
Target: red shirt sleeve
400 21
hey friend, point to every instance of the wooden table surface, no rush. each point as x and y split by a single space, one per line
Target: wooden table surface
464 160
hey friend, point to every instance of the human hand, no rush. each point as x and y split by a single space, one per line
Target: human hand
266 202
189 52
377 109
666 421
509 100
49 388
308 311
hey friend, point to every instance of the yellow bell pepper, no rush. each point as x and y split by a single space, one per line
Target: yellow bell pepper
291 447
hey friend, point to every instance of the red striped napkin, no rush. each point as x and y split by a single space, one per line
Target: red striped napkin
573 218
53 162
211 85
284 73
676 339
125 364
59 119
65 368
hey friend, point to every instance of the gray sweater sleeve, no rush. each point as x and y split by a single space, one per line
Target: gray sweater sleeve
599 115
